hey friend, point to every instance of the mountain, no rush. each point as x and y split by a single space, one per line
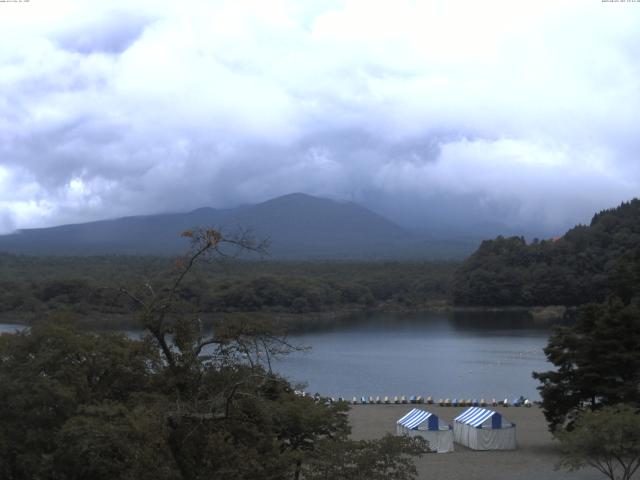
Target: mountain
297 226
588 263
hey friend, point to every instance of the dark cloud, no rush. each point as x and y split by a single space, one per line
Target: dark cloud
431 115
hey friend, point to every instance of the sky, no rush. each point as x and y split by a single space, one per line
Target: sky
433 113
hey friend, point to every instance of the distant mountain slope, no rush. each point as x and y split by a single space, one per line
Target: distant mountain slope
297 225
587 264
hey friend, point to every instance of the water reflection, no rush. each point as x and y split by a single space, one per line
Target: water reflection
448 354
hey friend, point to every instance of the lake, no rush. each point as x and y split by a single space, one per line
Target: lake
10 327
454 355
448 355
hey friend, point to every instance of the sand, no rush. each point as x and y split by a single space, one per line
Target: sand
534 459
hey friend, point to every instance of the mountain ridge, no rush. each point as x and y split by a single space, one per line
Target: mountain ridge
299 226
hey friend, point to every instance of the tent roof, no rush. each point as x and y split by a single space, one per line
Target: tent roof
475 416
414 418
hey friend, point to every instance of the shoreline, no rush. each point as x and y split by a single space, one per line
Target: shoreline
310 321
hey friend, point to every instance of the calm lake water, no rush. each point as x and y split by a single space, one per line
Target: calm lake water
10 327
454 355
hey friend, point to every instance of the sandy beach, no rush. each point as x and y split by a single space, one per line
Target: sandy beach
534 458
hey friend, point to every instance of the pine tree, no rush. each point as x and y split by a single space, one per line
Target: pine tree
597 360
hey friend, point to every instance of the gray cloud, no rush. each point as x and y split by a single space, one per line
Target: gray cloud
112 32
429 112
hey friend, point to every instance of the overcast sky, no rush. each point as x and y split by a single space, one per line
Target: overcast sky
525 112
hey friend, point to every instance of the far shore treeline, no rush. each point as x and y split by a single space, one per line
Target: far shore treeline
86 288
587 264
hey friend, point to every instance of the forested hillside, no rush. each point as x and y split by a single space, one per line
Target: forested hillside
587 264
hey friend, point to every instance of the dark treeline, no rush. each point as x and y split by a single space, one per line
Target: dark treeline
33 287
587 264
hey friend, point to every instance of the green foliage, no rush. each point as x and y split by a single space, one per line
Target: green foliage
178 405
607 440
77 405
597 360
48 376
587 264
389 457
112 440
36 288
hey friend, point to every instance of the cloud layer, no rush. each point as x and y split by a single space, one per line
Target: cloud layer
519 112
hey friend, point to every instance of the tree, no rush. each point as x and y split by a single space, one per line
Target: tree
597 360
607 440
51 377
389 457
586 264
181 404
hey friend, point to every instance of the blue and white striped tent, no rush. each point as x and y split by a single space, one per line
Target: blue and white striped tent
426 425
483 429
476 416
417 418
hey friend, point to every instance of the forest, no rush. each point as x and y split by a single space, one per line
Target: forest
34 288
587 264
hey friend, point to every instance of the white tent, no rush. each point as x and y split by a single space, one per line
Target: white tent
426 425
482 429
